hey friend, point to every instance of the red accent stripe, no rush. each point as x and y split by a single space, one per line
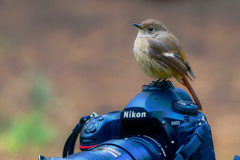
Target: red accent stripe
87 147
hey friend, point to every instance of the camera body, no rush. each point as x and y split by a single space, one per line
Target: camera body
162 116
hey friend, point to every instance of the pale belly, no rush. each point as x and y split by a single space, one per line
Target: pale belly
148 64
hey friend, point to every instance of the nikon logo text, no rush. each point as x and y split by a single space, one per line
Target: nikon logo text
132 114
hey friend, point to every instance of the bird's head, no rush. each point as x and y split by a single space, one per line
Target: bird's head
151 28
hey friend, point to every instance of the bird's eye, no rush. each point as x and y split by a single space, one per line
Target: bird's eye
150 29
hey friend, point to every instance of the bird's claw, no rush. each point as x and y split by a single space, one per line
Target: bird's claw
144 86
153 83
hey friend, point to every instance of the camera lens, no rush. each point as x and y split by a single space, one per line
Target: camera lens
140 147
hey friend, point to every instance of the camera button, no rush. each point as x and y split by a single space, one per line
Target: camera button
96 117
96 124
185 107
86 131
100 119
92 130
90 126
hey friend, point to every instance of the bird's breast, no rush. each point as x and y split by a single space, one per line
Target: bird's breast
148 64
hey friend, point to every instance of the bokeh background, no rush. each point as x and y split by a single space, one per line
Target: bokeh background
61 60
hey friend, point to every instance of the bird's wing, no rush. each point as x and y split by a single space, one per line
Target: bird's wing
159 51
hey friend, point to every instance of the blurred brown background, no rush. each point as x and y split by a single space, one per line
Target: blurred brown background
61 60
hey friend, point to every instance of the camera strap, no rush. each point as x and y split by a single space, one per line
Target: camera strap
68 148
200 135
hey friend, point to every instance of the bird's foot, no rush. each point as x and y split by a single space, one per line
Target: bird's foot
159 83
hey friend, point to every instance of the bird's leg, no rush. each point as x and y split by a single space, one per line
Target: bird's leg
157 81
154 83
163 80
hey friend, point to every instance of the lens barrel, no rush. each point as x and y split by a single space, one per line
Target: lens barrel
138 147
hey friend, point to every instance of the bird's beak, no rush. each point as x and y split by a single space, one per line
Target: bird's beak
137 25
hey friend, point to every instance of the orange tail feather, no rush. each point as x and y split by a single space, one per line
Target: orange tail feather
189 87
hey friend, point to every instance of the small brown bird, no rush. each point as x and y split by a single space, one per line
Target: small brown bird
160 54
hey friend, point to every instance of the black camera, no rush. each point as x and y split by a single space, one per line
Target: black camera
159 123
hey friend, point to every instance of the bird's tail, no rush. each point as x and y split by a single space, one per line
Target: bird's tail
185 82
